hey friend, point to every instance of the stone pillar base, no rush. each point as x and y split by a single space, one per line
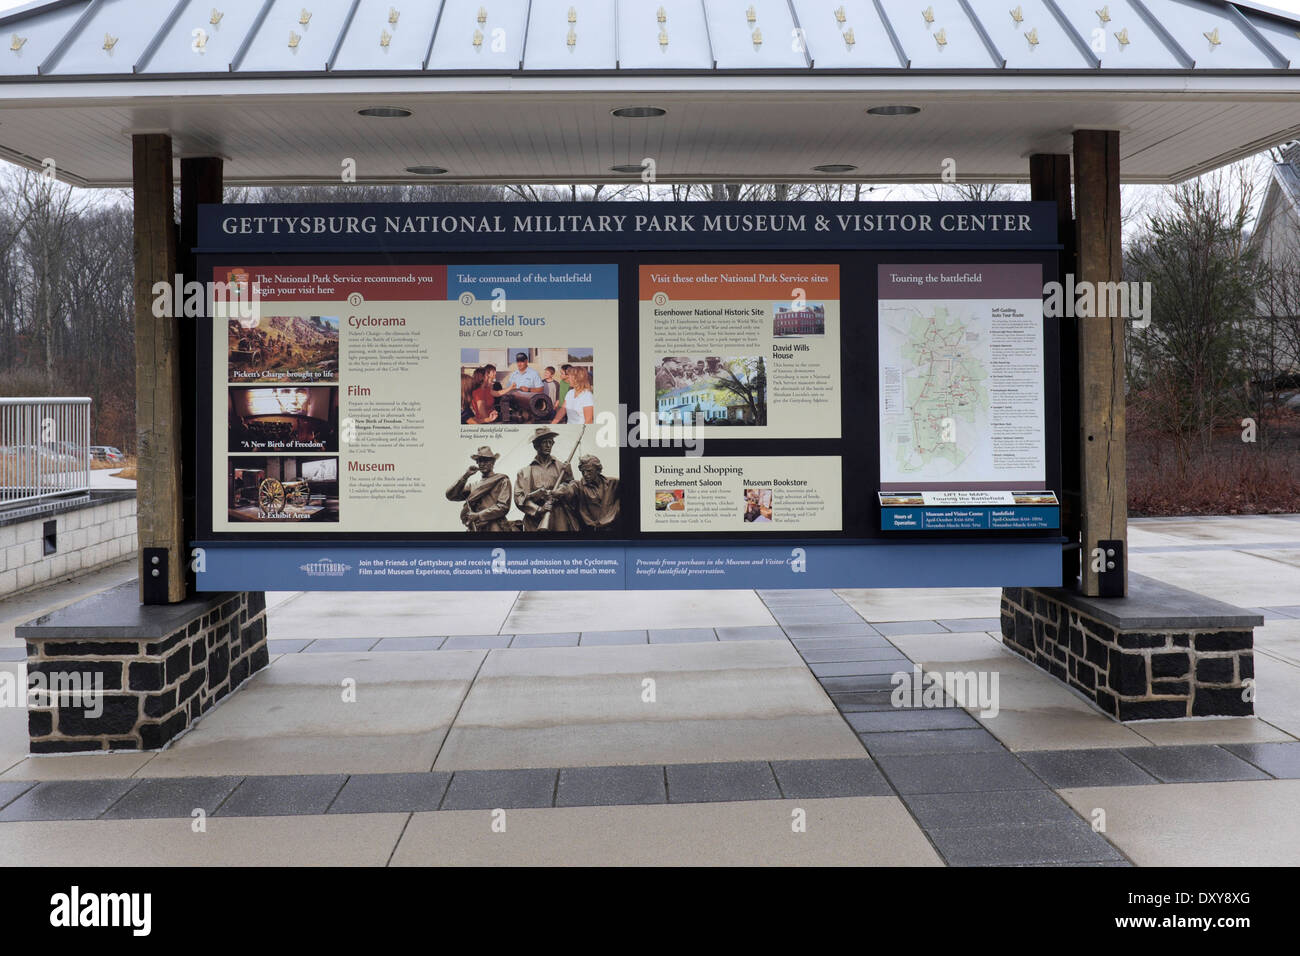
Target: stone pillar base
1159 653
112 674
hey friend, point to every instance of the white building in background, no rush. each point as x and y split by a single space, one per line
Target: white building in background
1277 237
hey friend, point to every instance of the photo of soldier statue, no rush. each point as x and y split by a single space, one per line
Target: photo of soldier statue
594 499
537 481
487 501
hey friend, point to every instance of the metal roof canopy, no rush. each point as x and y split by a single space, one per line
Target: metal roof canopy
520 91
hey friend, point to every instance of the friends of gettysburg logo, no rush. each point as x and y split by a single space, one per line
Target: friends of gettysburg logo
325 568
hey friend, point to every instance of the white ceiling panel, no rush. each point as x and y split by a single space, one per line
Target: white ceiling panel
549 137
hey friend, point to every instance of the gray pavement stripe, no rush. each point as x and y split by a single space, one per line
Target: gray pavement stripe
916 776
936 766
12 790
1023 844
336 794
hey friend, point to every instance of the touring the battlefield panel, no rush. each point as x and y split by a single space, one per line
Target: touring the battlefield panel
961 380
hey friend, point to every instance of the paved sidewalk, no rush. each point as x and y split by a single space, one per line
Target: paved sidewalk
108 478
689 727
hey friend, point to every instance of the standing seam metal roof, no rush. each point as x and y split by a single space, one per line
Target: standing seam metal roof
62 39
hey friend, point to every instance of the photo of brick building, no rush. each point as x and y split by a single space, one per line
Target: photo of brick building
806 320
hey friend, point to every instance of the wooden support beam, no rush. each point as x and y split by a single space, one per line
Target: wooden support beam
157 370
1104 514
1049 181
201 183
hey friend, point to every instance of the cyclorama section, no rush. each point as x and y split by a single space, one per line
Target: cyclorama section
704 395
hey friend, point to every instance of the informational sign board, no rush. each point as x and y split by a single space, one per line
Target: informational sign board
619 395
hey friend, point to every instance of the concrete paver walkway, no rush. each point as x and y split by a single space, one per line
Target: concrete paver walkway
686 727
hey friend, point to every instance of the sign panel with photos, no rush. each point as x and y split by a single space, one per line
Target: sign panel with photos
657 395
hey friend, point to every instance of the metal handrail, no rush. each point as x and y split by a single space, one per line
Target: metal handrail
44 449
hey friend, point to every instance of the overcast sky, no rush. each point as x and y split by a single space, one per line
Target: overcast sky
1291 6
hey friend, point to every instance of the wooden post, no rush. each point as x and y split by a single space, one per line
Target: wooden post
1104 513
159 521
201 182
1049 181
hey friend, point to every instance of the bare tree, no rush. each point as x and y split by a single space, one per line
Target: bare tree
746 380
48 212
976 192
1190 365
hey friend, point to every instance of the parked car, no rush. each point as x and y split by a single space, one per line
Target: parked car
69 449
43 456
106 453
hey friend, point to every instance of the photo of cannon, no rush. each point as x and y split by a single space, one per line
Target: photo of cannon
273 495
285 349
245 353
246 483
283 489
525 407
522 385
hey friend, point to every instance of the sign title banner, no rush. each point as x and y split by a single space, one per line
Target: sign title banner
416 227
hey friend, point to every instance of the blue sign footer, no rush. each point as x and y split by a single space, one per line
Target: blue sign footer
563 566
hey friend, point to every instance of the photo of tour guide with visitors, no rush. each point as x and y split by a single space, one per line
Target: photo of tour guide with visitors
546 492
527 391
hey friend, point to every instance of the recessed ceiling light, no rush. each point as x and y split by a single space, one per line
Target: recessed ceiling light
385 112
893 110
628 168
638 112
835 168
425 170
